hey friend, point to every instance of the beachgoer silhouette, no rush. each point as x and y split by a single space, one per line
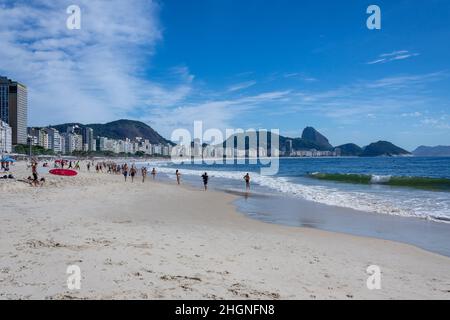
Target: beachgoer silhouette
205 180
247 181
178 174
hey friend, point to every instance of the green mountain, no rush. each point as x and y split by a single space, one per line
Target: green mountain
120 129
350 149
383 148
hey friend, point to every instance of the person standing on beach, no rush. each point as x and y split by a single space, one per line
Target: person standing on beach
154 173
132 173
89 166
247 181
178 175
125 171
35 181
70 165
144 173
205 180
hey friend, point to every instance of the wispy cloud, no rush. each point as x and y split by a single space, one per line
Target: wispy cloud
241 86
218 113
299 75
92 73
393 56
366 99
404 81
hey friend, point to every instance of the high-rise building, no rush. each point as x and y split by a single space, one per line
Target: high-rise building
288 147
5 137
62 143
44 139
54 139
88 139
72 142
14 108
34 134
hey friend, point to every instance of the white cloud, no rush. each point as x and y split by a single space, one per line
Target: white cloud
241 86
92 74
383 98
393 56
215 114
411 114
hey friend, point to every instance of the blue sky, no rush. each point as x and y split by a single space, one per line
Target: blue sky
237 64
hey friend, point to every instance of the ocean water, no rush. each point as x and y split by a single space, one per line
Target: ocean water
361 203
417 196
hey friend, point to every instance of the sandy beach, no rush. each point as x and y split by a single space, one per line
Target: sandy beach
157 240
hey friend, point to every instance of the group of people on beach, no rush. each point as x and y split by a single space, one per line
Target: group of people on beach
132 172
112 167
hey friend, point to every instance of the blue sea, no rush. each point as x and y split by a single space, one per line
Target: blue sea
415 212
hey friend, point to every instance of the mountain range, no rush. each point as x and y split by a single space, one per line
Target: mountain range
120 129
310 139
438 151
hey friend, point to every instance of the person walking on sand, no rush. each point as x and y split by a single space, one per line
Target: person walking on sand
144 173
178 175
247 181
89 166
154 173
205 180
35 181
70 165
132 172
125 171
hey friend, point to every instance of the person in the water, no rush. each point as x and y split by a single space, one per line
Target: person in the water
247 181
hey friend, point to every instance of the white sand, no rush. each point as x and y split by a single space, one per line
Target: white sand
161 241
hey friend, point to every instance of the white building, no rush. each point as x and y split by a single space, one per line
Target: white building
54 140
43 139
62 144
72 142
5 138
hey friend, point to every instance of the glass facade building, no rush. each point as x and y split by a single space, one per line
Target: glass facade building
14 108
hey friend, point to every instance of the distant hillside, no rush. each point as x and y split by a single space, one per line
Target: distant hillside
120 129
312 135
312 139
350 149
297 143
383 148
438 151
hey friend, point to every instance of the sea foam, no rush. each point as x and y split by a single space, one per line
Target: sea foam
412 205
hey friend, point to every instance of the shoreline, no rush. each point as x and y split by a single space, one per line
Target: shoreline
288 211
161 241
